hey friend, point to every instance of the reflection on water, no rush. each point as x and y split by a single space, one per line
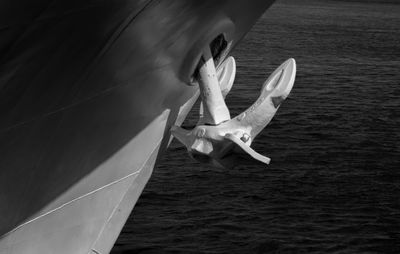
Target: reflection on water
333 183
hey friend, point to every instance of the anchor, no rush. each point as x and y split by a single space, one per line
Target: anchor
223 141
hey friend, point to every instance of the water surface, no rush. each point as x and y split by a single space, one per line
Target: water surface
333 185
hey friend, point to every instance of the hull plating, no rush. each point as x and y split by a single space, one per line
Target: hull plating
79 81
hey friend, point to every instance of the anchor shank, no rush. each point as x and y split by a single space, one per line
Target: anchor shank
215 110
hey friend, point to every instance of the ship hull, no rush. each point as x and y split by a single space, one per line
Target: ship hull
88 93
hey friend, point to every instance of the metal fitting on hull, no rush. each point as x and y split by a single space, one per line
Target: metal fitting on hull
220 140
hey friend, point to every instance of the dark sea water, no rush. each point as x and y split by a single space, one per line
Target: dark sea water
333 185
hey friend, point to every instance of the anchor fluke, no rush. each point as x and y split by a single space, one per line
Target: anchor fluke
273 92
225 142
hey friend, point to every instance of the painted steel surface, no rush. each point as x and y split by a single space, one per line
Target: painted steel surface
79 80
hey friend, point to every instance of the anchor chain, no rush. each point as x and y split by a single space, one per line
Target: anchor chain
219 140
